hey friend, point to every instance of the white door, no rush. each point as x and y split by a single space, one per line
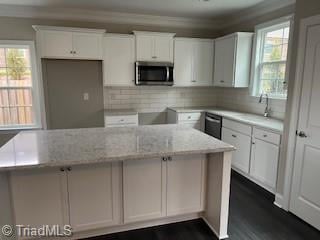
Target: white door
241 157
305 196
145 48
144 189
163 48
185 182
40 197
203 62
183 62
56 44
94 196
118 61
264 163
87 46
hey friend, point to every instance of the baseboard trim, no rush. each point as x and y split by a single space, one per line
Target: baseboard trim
278 201
213 230
134 226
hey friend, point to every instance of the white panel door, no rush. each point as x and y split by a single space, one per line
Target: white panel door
94 196
118 61
163 48
203 61
305 196
145 48
56 44
183 62
87 46
264 163
144 189
185 184
40 197
241 157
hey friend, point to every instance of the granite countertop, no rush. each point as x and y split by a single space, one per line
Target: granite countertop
52 148
120 112
247 118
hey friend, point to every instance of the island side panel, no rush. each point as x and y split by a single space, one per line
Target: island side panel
218 192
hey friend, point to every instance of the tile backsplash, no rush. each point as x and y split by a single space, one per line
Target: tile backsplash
146 99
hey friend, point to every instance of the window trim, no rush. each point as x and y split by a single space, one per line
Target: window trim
35 84
257 52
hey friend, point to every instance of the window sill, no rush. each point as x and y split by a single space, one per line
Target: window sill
272 97
18 129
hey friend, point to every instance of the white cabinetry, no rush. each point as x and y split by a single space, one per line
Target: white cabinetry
121 120
119 58
264 158
191 119
69 43
193 59
232 60
155 188
153 46
84 197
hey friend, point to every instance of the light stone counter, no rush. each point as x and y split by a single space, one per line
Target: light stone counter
247 118
50 148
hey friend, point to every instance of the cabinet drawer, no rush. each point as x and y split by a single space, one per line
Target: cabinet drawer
189 116
192 124
236 126
121 120
266 136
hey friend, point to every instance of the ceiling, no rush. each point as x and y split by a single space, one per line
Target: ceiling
200 9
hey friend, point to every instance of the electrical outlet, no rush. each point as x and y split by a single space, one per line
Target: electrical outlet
86 96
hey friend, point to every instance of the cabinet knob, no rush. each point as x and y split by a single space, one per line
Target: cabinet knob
71 52
234 135
170 159
253 143
69 169
222 81
164 159
265 135
62 169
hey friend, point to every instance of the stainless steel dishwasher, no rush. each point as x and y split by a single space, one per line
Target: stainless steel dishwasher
213 125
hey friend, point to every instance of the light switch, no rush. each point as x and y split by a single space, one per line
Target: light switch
86 96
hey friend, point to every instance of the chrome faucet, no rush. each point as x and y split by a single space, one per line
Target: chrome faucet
267 109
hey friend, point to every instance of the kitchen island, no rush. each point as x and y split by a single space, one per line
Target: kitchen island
104 180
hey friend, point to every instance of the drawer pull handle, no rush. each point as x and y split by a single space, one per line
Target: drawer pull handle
189 117
234 135
265 135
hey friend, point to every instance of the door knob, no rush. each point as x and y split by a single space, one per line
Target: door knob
302 134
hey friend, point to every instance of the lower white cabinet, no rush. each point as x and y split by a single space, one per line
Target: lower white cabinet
264 162
84 197
185 194
94 196
155 188
242 142
121 120
192 119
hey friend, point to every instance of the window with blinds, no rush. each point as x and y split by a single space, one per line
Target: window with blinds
18 108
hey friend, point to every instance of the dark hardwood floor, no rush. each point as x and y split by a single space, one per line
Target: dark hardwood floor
252 217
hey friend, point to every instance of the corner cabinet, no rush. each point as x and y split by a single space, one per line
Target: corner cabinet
119 58
69 43
154 46
84 197
193 59
232 60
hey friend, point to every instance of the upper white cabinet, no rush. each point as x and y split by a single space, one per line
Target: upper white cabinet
119 58
193 59
69 43
232 60
153 46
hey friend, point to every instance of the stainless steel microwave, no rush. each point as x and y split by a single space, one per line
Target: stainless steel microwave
154 73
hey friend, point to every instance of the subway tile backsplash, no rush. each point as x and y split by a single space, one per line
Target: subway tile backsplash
146 99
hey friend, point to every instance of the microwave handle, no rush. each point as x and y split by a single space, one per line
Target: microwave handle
168 74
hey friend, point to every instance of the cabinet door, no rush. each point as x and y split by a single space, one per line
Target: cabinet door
264 163
203 62
185 182
224 65
56 44
163 48
87 46
144 189
39 197
94 196
145 48
192 124
241 157
118 61
183 63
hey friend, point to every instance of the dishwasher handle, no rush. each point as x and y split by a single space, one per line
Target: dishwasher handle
213 120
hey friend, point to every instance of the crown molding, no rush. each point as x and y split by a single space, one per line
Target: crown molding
69 29
106 17
257 11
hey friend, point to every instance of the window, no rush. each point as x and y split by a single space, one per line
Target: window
19 106
270 66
